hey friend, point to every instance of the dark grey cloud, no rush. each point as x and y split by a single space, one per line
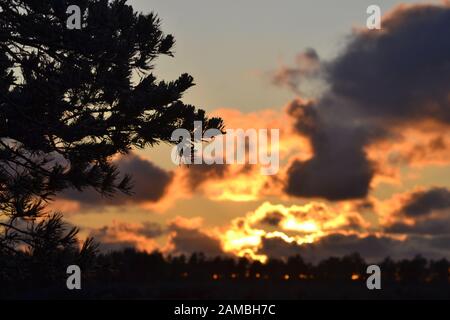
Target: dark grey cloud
372 249
431 226
200 173
152 230
148 229
440 242
382 80
122 235
113 246
339 168
429 210
149 184
190 240
401 73
272 218
423 203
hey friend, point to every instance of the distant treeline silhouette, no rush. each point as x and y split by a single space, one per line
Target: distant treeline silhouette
132 265
133 274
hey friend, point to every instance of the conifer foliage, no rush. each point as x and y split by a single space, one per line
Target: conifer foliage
72 99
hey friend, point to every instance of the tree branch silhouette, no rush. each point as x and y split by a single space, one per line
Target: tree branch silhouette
72 99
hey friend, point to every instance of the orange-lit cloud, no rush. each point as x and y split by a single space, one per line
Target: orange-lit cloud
294 224
415 145
179 235
121 235
415 207
243 182
409 223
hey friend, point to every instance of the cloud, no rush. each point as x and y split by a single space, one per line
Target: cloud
414 205
434 226
430 147
150 184
186 237
339 168
383 82
315 230
186 223
401 73
422 203
149 181
419 212
121 235
199 174
307 66
334 245
242 182
179 236
415 147
296 225
273 218
318 230
188 241
372 248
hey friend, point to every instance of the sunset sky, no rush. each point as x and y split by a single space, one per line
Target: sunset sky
364 118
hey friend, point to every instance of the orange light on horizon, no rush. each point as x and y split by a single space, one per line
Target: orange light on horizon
355 277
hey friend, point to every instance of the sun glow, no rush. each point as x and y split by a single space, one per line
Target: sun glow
306 226
292 225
